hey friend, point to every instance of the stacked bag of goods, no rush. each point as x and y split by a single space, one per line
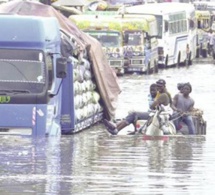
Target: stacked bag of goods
86 98
87 106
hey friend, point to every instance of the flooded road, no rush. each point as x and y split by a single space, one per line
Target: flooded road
94 163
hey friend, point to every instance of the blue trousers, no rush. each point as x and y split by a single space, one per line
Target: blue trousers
188 120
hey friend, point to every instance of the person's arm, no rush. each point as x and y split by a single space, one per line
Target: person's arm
191 106
150 100
154 104
160 100
174 103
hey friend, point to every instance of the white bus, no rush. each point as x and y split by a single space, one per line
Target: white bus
177 30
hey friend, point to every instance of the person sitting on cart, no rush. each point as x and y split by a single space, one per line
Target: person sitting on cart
162 99
184 105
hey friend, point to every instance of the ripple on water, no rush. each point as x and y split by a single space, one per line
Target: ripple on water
93 162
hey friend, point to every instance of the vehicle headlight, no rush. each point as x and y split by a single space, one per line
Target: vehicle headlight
115 55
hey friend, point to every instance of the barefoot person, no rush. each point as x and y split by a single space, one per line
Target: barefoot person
162 99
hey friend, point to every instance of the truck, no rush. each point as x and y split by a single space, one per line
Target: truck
203 18
140 44
42 92
129 40
108 32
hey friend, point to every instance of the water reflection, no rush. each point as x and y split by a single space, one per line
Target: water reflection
93 162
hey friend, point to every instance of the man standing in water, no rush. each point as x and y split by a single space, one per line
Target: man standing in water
162 99
184 104
211 41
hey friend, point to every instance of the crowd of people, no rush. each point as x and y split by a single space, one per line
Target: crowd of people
179 108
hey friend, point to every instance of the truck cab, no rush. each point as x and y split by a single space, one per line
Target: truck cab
108 32
29 61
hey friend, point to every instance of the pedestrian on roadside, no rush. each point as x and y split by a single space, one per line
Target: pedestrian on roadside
211 41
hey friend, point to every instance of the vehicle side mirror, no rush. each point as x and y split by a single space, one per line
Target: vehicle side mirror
61 68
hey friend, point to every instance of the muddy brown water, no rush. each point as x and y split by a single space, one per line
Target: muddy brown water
94 163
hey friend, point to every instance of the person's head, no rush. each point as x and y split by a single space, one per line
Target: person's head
180 87
153 90
161 85
187 89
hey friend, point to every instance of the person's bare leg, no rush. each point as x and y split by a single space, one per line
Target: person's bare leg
114 129
122 124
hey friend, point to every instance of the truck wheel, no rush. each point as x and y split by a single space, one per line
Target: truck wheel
179 58
204 53
148 69
155 66
213 55
166 62
189 59
197 52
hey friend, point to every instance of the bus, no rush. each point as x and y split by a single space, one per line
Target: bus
209 7
140 45
108 34
203 27
176 31
128 40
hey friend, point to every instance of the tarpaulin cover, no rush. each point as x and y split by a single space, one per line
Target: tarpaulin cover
106 79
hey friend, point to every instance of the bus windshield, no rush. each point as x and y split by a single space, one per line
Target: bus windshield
22 66
133 38
106 38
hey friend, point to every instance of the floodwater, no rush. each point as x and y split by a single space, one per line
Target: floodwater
95 163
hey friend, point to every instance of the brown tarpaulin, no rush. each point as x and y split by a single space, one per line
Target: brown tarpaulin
106 79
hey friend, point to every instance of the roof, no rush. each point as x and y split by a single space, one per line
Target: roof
39 29
70 3
112 22
202 14
159 8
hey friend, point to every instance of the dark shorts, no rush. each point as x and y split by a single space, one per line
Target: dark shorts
134 116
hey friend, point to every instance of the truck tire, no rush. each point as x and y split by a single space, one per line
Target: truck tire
189 59
155 66
179 59
204 53
148 69
166 62
197 52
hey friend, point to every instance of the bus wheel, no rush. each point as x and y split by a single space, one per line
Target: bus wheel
155 66
213 55
179 58
148 69
204 53
189 59
166 62
197 52
186 62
